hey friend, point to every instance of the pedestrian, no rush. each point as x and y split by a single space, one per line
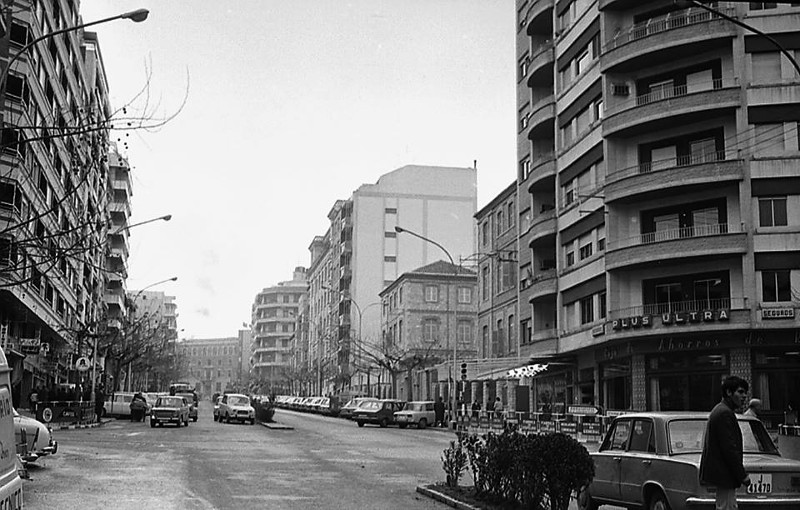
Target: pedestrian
498 408
476 409
753 407
33 398
99 402
721 463
438 412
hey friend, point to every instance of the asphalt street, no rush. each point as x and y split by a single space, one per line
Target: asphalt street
322 463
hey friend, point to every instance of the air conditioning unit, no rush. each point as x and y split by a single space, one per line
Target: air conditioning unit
620 89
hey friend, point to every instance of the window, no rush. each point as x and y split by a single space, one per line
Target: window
523 66
390 258
10 196
390 235
511 214
772 212
464 332
570 256
776 286
431 293
501 225
587 310
586 251
390 210
20 34
485 232
524 168
642 438
8 252
430 330
485 282
758 6
485 338
465 295
569 192
602 304
766 67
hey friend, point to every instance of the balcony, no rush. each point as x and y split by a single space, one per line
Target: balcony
672 107
542 226
672 174
540 68
543 284
123 185
678 316
114 299
120 207
539 17
542 118
671 36
541 169
687 242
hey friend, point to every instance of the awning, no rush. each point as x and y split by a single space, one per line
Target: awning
527 371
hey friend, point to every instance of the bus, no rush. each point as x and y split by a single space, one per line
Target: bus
180 387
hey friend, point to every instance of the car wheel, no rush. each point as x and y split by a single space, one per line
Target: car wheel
585 501
422 423
658 501
402 425
252 421
360 423
384 423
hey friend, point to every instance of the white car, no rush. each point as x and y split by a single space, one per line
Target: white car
216 407
235 406
38 437
420 414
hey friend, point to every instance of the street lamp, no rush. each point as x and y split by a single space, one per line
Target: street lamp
401 230
360 316
136 16
124 228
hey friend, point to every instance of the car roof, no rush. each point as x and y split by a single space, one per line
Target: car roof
235 395
677 415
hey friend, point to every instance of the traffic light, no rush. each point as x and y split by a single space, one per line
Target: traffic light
463 371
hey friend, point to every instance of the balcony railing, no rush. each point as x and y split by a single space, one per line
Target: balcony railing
672 163
697 305
665 23
677 233
670 92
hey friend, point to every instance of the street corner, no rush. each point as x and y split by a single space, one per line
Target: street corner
432 492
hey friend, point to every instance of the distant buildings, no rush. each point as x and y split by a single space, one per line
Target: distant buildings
362 253
214 365
273 318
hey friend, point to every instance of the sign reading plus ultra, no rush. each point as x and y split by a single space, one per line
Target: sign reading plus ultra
672 318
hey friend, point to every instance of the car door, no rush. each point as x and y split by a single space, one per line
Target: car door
606 483
636 465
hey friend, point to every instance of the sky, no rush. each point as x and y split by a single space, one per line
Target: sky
274 110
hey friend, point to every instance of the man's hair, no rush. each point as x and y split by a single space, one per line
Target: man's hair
733 383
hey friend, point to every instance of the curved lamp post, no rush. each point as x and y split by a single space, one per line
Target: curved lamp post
123 228
697 3
136 16
401 230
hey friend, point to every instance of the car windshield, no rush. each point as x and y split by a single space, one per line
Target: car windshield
238 401
370 405
169 402
686 436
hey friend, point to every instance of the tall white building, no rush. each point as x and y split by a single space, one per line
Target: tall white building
362 253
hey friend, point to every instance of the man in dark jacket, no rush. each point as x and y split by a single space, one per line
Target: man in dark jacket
721 464
438 412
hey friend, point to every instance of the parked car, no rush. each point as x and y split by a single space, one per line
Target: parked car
347 410
419 413
170 409
190 397
652 460
235 406
39 437
118 404
380 412
216 407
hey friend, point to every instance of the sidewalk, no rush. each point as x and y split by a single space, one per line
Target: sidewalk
66 426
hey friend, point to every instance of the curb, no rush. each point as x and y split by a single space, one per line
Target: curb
78 426
444 498
276 426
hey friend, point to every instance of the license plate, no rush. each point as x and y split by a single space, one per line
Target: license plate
760 483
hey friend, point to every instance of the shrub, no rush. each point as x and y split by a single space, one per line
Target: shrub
454 462
568 469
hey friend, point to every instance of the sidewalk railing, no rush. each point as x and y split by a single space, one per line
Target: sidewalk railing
65 412
584 428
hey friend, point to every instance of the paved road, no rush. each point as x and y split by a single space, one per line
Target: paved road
322 463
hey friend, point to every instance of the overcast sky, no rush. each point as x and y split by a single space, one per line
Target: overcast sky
289 106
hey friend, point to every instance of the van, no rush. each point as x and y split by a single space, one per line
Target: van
117 404
10 482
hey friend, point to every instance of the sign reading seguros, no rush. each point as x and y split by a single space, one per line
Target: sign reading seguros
10 482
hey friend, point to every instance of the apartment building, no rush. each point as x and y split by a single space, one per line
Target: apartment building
273 320
117 244
428 317
362 253
214 365
54 191
659 201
